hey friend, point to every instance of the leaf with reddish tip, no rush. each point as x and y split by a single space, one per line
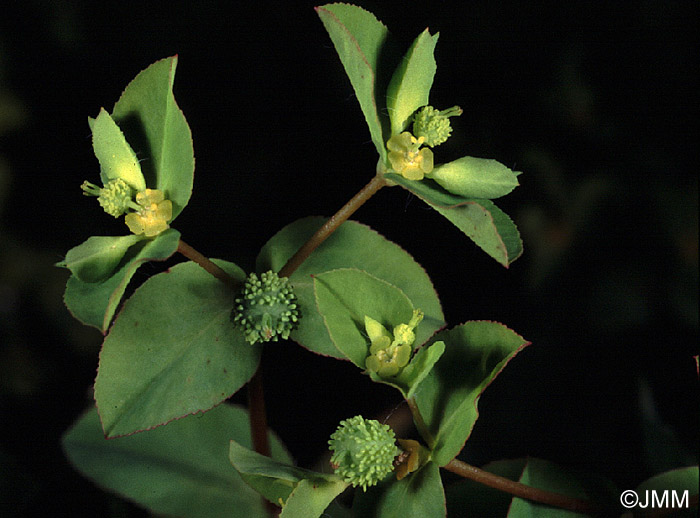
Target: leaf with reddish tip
172 351
156 127
94 303
360 40
475 352
176 470
479 219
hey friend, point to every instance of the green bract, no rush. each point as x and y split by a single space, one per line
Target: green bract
363 451
266 309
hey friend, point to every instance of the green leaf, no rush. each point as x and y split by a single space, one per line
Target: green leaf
475 352
475 178
149 115
480 220
409 87
489 227
359 38
344 297
117 159
172 351
678 486
94 303
418 495
305 494
411 376
550 477
353 245
95 259
176 470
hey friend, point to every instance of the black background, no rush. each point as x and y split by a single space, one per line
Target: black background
596 103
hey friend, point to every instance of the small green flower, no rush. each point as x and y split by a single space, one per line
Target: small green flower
266 308
115 197
389 353
364 451
406 157
433 125
153 212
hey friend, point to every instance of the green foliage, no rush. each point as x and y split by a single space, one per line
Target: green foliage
187 339
149 115
177 470
359 39
410 85
172 352
475 353
417 496
302 493
117 159
94 303
352 245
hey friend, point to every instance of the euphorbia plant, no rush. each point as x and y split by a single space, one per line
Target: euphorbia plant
189 338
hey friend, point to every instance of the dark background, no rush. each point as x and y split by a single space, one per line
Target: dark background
596 103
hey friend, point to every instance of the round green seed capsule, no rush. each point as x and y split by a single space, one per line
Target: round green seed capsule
363 451
266 310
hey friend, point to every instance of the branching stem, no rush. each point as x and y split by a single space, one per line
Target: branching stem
207 264
332 224
521 490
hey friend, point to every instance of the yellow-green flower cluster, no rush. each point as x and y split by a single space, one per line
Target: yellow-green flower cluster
389 353
114 197
364 451
434 125
153 212
407 158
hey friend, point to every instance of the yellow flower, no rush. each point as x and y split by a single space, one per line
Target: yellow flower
153 215
389 353
406 157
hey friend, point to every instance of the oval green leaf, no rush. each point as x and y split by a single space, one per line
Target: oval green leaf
117 159
481 220
473 177
95 259
150 117
344 297
418 495
305 494
172 351
353 245
410 377
94 303
475 352
409 88
176 470
359 38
